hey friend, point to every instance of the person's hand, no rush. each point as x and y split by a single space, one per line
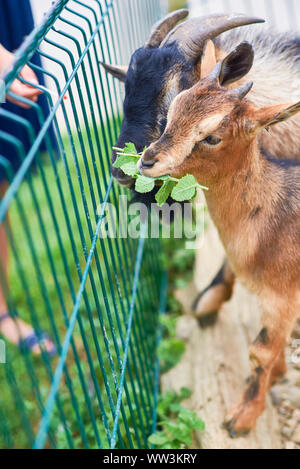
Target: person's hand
17 87
24 90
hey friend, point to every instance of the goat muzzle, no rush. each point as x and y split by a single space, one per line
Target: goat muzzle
147 161
147 164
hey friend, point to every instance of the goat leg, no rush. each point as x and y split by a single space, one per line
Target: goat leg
267 362
279 369
210 300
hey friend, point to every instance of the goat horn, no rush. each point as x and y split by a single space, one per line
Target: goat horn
162 27
118 71
242 91
192 34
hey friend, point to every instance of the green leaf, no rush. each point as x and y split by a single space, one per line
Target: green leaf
176 407
173 445
190 419
124 159
170 351
130 148
163 178
162 195
185 189
158 438
179 189
200 425
185 393
144 184
179 431
129 168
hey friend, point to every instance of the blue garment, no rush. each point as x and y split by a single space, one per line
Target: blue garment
16 22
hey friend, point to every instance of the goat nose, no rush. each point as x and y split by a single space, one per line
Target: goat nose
147 164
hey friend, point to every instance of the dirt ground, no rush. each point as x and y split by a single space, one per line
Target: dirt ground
286 395
215 364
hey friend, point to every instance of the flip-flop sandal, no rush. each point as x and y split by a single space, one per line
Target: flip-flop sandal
33 339
37 339
4 316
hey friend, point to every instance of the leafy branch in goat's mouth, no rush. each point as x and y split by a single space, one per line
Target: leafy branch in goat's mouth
180 190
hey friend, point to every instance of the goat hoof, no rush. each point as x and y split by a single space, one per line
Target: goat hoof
208 320
242 417
233 433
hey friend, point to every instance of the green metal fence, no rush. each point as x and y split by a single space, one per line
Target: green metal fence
98 298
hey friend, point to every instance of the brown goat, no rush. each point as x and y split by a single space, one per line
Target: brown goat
254 200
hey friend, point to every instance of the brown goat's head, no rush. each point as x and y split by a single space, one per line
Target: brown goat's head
169 62
209 129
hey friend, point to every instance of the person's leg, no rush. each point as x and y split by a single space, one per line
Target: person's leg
13 330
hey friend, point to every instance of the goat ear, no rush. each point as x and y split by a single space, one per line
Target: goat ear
237 64
271 115
208 60
117 71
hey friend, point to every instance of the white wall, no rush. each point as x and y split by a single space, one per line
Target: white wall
39 7
284 14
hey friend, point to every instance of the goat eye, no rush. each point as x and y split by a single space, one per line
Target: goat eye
212 140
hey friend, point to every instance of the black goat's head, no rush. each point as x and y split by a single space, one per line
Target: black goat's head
168 63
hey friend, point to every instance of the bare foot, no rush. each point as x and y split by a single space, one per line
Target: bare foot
15 330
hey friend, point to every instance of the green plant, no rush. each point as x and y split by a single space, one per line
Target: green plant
176 423
170 349
181 189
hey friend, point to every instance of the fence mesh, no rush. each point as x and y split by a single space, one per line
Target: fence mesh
98 298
